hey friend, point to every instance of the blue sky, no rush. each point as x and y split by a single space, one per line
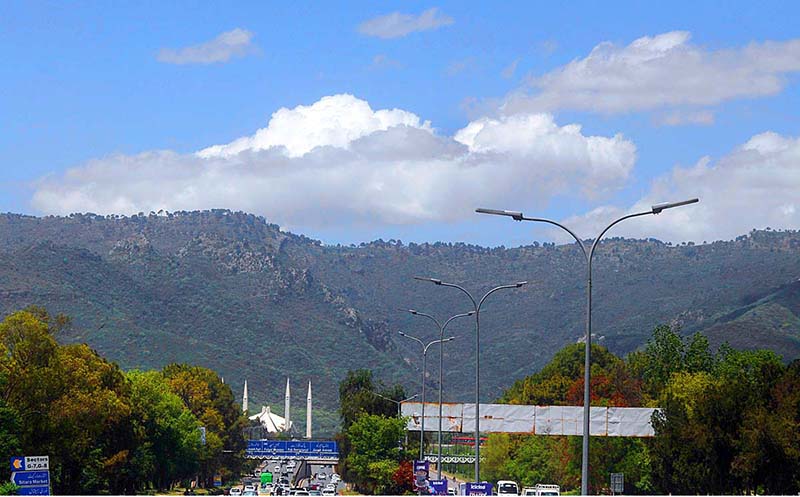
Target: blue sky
125 95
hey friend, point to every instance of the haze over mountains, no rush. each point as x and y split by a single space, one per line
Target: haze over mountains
229 291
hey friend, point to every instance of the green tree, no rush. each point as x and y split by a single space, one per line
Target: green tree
375 453
212 403
168 441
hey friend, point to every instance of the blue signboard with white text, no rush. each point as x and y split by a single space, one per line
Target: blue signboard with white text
292 449
439 487
482 488
33 490
30 478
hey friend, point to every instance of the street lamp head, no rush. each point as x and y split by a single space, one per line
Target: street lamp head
669 205
521 283
402 334
516 215
471 313
432 280
448 339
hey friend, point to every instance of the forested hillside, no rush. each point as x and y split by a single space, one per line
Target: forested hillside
234 293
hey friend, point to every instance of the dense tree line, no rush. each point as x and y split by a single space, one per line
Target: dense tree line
729 420
371 453
108 430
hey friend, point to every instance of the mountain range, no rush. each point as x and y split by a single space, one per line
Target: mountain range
232 292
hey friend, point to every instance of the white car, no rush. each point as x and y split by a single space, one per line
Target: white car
249 488
335 478
321 476
236 491
291 464
328 491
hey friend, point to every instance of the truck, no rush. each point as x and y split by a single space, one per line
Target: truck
546 489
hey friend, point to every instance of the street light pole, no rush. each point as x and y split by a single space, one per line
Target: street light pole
477 306
398 402
424 367
441 368
588 255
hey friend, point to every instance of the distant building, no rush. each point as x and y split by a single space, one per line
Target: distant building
271 422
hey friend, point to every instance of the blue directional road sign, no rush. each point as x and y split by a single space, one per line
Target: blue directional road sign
33 491
30 478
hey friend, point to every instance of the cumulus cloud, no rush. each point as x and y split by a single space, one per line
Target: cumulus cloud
335 120
397 25
226 46
338 162
657 72
754 186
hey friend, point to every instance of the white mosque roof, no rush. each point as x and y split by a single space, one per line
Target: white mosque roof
271 421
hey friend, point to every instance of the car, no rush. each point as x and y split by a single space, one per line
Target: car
236 491
277 468
321 476
331 486
329 491
298 491
451 491
314 492
291 464
335 478
249 488
249 493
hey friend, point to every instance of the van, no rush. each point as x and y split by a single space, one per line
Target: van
507 487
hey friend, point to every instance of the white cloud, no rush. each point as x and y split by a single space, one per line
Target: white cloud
397 25
678 117
547 47
228 45
383 61
659 72
336 120
509 70
755 186
338 162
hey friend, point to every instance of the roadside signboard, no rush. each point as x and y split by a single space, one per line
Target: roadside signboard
263 449
421 471
31 474
439 487
30 463
30 478
617 483
33 491
482 488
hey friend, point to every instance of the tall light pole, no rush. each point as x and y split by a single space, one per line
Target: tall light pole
518 216
477 306
398 402
441 366
425 348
